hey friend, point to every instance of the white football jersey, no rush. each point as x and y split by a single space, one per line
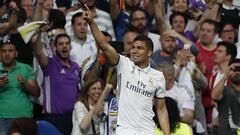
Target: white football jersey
137 88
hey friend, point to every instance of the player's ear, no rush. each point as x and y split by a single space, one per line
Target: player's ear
149 53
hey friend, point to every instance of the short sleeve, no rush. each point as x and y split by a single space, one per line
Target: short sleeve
79 111
122 63
161 87
47 69
30 74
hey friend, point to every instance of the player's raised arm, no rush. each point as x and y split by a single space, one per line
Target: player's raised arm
101 40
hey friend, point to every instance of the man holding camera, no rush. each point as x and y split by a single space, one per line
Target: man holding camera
226 90
17 82
228 99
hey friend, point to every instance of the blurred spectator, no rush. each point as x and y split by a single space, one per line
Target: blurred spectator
139 23
28 126
178 22
128 42
229 13
28 6
227 98
227 32
205 59
206 46
168 47
189 75
176 126
102 18
23 126
182 94
120 13
88 115
59 97
225 54
17 82
84 50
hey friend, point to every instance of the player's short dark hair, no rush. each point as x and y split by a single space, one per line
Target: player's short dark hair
148 42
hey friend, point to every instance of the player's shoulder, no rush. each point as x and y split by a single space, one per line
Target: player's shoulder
156 72
156 75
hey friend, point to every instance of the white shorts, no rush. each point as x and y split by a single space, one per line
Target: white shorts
129 131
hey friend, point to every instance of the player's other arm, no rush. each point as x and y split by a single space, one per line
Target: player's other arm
162 115
101 40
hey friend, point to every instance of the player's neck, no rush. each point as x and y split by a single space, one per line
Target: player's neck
143 65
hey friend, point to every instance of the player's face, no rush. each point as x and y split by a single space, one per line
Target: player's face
95 91
63 47
140 54
8 54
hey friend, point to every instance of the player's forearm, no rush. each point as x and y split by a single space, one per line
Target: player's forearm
163 120
92 72
103 44
98 36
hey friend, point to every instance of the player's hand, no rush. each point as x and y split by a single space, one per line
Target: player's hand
87 15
